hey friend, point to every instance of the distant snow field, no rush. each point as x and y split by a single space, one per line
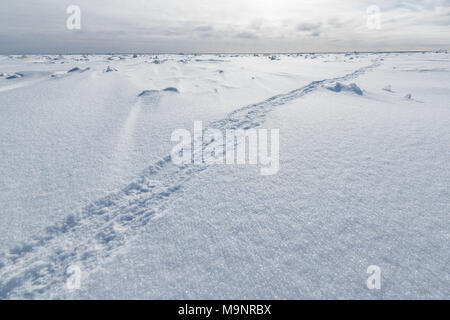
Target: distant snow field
91 205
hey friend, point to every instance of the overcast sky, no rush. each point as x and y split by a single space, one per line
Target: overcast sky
39 26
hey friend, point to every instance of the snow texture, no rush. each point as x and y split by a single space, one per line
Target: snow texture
87 178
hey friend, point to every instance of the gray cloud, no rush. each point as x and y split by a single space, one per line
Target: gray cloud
246 35
204 28
309 26
314 29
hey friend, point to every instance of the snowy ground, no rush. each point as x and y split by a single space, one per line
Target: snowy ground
86 179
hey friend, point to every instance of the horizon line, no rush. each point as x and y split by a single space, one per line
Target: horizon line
228 53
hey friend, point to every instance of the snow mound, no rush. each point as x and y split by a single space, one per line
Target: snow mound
339 87
110 69
151 92
10 76
59 74
171 89
76 69
147 92
388 88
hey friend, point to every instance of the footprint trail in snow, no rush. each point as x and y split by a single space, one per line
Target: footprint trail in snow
38 269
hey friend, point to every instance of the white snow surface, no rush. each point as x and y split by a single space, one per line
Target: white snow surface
86 178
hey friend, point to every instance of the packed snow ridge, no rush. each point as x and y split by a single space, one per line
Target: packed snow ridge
339 87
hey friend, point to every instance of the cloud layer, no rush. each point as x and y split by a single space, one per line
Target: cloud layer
222 26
